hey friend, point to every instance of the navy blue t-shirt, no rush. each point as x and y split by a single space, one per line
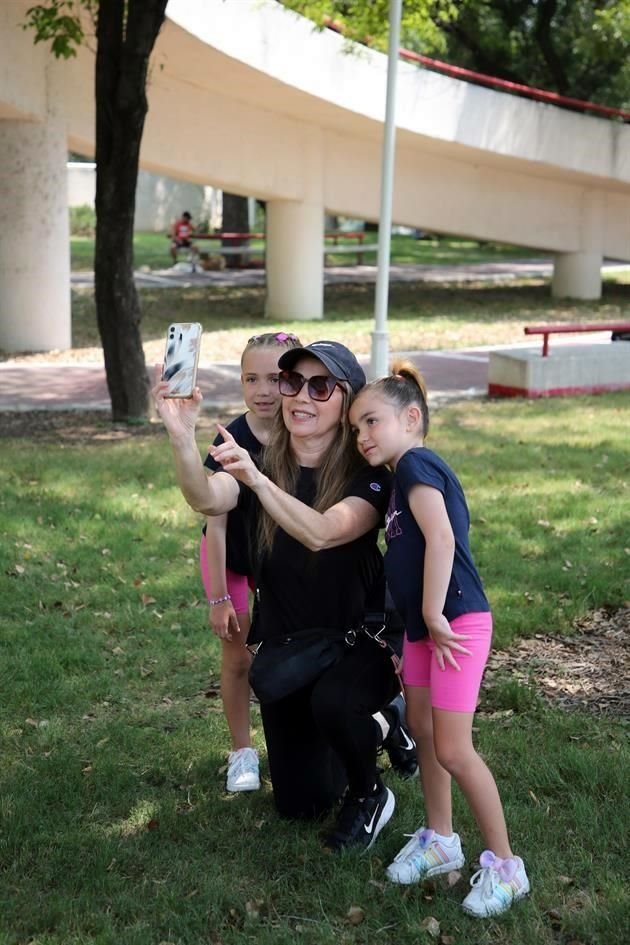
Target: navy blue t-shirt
238 556
404 559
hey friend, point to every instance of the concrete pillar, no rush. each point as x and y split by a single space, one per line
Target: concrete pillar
34 237
577 275
294 259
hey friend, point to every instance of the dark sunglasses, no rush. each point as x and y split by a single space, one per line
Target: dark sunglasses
320 387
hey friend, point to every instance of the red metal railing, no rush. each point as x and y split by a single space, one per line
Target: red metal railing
468 75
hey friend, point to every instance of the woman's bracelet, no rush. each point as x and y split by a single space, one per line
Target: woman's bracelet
220 600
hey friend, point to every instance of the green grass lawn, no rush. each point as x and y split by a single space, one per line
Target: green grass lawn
151 250
114 825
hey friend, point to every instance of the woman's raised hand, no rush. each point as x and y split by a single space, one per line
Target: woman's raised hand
235 460
179 414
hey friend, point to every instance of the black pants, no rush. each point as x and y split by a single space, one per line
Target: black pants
323 738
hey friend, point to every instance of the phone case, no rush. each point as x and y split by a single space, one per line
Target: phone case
183 341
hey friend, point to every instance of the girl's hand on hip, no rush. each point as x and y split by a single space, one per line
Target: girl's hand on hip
446 643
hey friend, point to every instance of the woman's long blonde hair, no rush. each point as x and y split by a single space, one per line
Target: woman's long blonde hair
339 464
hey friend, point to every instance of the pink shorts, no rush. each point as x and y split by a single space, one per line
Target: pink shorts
238 585
451 690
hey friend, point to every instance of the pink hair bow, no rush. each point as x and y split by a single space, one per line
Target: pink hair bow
505 868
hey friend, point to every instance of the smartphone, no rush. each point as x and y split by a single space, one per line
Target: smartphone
183 343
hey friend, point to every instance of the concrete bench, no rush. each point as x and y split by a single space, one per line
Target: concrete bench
567 369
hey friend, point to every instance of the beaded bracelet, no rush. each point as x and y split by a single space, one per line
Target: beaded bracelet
220 600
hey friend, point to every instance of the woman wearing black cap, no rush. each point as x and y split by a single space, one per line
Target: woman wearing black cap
316 508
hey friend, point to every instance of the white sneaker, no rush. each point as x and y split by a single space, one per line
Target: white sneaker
496 885
425 855
243 772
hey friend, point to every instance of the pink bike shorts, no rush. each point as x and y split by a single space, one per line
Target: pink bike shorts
238 585
451 690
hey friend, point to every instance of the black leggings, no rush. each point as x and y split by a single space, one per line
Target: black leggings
323 738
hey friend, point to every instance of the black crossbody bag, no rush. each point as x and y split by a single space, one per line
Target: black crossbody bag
283 665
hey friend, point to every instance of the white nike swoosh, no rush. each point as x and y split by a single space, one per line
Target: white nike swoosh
369 827
409 744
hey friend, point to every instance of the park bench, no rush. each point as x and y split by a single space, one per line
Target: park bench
335 243
546 330
568 369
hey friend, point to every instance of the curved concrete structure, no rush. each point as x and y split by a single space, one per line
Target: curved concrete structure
247 96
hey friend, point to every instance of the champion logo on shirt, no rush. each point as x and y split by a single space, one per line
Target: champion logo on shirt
375 486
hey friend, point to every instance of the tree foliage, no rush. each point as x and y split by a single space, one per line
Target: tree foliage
578 48
59 22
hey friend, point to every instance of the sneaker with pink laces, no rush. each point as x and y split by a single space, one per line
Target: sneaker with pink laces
243 771
496 885
425 855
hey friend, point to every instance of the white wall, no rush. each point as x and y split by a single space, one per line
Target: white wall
159 199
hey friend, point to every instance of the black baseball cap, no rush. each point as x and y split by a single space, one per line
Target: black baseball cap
339 360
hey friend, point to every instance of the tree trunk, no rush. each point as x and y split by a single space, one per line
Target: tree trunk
126 33
235 220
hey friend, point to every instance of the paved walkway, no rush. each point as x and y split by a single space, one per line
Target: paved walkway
450 375
180 276
54 386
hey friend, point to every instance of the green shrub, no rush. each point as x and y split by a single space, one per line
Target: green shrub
82 220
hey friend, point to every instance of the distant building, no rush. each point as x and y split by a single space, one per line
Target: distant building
159 200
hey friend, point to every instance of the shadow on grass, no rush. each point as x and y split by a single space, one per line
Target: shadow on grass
222 309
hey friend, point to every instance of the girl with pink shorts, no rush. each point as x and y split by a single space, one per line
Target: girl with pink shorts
448 631
225 560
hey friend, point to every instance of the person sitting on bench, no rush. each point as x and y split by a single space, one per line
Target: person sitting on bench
181 233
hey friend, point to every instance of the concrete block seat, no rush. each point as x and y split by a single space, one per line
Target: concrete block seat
565 369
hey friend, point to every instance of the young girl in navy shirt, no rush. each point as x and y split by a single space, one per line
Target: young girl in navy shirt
448 631
225 554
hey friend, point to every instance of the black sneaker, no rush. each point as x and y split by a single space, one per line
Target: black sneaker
360 820
399 744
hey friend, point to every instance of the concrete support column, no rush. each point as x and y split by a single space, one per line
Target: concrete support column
577 275
34 237
295 259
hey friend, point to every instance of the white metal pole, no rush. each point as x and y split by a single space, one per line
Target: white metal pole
380 345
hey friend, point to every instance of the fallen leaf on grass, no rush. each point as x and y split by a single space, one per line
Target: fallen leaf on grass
153 824
430 925
566 880
147 599
380 886
253 908
447 940
453 877
355 915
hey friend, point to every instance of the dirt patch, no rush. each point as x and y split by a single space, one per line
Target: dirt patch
588 670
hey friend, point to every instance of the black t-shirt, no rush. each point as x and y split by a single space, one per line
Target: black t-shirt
404 560
237 540
300 589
